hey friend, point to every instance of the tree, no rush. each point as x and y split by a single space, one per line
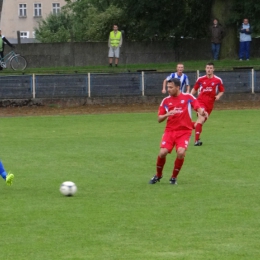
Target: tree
197 18
152 20
82 20
231 14
91 20
146 20
222 10
246 9
95 26
55 28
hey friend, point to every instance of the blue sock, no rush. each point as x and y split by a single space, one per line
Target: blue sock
2 171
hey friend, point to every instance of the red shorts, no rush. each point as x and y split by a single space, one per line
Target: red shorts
206 108
178 139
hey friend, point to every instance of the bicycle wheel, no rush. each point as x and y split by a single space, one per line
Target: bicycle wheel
18 62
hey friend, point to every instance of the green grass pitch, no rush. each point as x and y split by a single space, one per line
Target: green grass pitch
213 212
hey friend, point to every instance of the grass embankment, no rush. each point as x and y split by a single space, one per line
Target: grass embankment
160 67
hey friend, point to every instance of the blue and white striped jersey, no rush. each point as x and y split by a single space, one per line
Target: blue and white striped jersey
183 79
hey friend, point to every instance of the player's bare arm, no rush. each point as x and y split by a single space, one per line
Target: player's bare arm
219 95
164 86
188 89
193 92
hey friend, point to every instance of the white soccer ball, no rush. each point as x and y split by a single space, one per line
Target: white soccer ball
68 188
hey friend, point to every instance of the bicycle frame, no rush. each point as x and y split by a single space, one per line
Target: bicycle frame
7 58
16 61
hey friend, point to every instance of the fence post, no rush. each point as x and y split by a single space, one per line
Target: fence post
33 85
89 94
198 74
253 81
142 83
18 37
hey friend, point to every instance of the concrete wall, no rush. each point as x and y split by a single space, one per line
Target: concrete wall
95 53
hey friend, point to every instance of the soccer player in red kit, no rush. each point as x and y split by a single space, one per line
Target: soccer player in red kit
176 108
210 90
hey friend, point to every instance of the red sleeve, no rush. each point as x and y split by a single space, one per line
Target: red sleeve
195 104
197 85
162 109
221 87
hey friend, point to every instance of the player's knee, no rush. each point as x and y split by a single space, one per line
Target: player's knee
181 152
163 152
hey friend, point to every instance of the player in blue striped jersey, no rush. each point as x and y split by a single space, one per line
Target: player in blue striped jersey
185 85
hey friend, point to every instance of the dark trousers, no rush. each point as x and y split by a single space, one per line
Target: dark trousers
1 55
244 50
215 47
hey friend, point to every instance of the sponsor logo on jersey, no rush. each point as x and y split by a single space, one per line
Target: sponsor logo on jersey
207 89
182 101
178 109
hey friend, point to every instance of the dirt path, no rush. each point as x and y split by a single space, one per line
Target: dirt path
97 109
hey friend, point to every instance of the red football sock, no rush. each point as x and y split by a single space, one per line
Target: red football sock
159 166
198 131
177 167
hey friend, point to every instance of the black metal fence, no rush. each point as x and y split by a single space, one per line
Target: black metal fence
104 85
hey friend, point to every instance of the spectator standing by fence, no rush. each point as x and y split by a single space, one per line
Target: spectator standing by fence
217 34
185 85
115 41
3 40
245 40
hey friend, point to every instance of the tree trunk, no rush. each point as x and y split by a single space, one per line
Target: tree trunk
221 10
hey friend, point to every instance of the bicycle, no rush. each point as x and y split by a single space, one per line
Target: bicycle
17 62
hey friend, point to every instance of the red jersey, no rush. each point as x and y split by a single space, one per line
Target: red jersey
209 88
183 103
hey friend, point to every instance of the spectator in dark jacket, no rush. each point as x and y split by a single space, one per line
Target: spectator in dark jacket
3 40
217 34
